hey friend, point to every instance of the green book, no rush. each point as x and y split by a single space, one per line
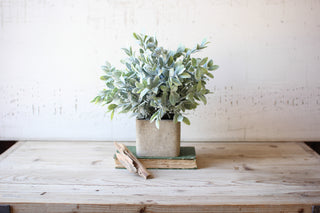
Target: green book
186 160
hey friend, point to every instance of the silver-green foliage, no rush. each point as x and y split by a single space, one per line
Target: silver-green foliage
157 83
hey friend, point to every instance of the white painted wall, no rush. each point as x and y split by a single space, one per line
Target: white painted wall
267 87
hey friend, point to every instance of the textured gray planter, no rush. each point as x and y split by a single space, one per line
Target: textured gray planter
162 142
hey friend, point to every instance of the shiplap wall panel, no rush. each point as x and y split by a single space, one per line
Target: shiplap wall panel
267 87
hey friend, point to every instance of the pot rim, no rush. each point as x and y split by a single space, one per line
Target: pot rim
165 117
148 119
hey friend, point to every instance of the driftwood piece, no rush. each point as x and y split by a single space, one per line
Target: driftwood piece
129 161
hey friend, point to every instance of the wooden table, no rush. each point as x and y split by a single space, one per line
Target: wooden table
232 177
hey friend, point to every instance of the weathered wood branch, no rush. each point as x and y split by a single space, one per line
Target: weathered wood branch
129 161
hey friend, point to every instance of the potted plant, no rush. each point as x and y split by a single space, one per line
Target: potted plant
157 85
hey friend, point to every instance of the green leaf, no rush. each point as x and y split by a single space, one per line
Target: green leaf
112 114
203 61
164 88
214 67
126 109
96 99
176 81
136 36
185 75
209 74
203 70
158 123
174 89
170 61
188 52
136 90
199 86
144 92
105 77
112 106
161 62
190 105
155 81
139 85
202 46
179 70
145 83
203 99
186 120
194 62
175 118
210 63
126 51
180 118
164 98
172 99
109 100
204 42
154 116
190 97
198 74
116 75
171 72
110 85
181 48
170 81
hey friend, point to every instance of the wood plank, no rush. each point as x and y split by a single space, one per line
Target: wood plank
145 207
232 177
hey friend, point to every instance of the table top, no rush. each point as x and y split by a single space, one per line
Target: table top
230 177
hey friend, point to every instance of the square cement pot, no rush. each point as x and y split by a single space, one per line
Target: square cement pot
162 142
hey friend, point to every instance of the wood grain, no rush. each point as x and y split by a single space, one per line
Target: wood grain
232 177
130 162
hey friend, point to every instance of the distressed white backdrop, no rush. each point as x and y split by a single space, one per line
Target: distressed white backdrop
267 87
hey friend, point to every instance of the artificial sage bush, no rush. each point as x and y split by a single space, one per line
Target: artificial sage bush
156 83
